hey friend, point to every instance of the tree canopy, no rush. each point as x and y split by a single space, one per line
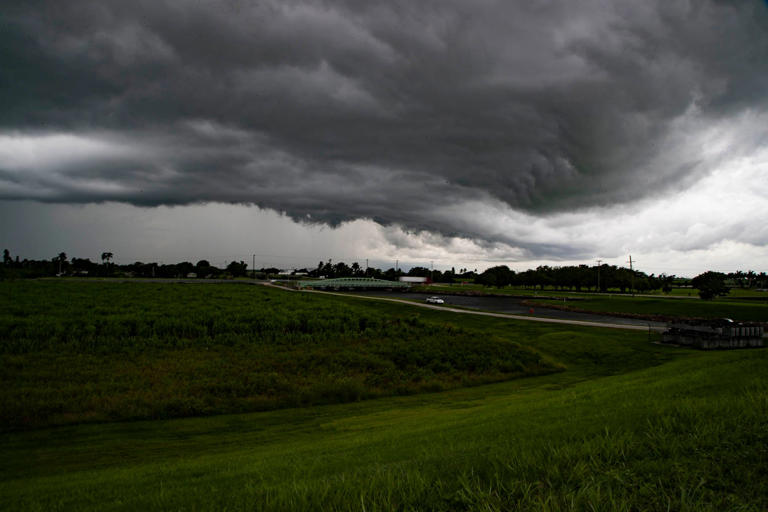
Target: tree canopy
710 285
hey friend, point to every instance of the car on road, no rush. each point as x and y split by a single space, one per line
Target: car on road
435 300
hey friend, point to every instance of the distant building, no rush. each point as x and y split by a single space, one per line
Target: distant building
413 279
714 334
351 283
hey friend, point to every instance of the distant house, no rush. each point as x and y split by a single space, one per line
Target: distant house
714 334
191 275
414 279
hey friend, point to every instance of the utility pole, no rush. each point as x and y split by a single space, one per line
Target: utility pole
397 265
366 267
432 271
599 262
253 267
631 276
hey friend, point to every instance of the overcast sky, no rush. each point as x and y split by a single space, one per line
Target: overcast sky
468 133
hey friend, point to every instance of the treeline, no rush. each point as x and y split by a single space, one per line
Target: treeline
340 269
61 265
610 277
573 278
749 279
577 278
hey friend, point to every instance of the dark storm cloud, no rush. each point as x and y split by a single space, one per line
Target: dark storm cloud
331 111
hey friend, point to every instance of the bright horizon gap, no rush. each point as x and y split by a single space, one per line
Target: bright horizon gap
173 235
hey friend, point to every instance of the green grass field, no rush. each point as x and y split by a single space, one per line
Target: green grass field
629 425
675 293
74 351
740 311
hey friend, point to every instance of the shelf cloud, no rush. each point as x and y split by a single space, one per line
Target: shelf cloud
476 120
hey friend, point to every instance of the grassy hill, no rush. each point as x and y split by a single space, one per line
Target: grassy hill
629 425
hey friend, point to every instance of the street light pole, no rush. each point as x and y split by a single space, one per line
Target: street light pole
599 262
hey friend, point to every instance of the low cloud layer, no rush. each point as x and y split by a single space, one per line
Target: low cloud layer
488 121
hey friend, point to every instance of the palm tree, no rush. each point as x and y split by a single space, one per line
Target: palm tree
62 259
105 257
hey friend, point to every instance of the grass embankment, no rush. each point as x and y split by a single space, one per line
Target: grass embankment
85 351
629 425
663 309
690 434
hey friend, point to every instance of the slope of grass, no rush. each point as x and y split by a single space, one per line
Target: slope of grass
671 437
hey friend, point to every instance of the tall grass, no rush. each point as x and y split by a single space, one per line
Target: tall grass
74 351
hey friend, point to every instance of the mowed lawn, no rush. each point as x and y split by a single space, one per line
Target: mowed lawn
747 311
628 425
674 293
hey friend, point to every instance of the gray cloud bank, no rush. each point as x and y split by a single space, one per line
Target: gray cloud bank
331 111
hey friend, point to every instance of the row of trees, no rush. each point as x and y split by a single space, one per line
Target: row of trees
578 278
575 278
329 270
62 265
605 277
749 279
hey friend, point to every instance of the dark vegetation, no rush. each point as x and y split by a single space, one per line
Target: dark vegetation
599 278
61 265
579 278
74 351
629 426
340 269
605 278
710 285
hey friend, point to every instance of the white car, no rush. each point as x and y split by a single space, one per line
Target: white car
435 300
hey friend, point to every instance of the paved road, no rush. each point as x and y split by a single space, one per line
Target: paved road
502 307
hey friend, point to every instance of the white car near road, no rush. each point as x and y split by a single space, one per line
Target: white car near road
435 300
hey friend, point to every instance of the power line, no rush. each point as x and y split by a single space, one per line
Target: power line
599 262
631 275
